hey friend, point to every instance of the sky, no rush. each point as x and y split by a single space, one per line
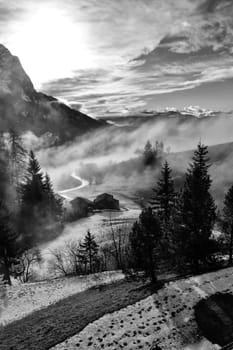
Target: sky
115 57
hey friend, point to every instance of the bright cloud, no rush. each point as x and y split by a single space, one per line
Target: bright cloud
108 56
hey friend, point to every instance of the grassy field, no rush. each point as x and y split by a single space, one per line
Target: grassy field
47 327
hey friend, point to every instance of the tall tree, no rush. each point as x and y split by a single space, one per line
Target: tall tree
149 154
9 245
144 241
33 186
18 156
164 194
32 211
52 202
4 170
164 204
198 209
89 248
41 209
17 166
228 221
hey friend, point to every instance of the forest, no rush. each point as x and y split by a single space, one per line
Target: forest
176 229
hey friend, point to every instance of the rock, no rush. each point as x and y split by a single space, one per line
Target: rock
106 201
214 316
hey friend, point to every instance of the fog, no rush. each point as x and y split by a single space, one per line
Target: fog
103 149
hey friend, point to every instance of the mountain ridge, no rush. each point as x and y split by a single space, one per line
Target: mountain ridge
25 109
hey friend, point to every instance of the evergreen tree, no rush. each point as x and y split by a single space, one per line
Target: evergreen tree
18 157
9 243
53 203
4 171
228 221
89 250
41 210
33 187
164 198
33 211
144 241
149 154
197 209
17 166
164 204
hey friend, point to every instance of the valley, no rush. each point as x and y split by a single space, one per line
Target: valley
116 175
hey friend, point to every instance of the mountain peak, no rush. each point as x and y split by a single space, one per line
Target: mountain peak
21 106
4 52
12 75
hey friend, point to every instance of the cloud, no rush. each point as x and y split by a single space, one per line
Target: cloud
121 52
210 6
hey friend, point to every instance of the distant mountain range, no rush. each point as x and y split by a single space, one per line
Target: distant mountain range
195 111
184 115
23 108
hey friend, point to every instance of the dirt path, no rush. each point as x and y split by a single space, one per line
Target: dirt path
47 327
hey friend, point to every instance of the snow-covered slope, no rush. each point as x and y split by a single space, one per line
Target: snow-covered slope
165 318
20 300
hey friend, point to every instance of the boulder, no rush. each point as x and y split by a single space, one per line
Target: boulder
106 201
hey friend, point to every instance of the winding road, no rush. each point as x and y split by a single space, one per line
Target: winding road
84 183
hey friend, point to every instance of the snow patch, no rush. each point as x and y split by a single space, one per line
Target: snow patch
18 301
165 318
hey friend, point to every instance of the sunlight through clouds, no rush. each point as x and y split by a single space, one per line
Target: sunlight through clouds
125 51
50 45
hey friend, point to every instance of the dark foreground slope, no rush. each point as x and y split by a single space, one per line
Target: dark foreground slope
47 327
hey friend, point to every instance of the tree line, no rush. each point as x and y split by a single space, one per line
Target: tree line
30 211
175 230
177 226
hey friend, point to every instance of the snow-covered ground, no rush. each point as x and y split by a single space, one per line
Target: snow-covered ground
165 318
20 300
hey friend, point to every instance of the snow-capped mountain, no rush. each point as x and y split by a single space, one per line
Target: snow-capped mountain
195 111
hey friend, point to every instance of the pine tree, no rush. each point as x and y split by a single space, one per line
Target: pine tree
53 203
33 187
4 171
228 220
197 209
144 241
9 245
89 249
33 211
17 166
164 203
18 156
149 154
41 210
164 198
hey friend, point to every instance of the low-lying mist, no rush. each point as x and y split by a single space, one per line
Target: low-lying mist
112 155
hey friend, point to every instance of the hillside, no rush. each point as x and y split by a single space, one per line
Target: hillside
112 314
165 320
131 178
23 108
